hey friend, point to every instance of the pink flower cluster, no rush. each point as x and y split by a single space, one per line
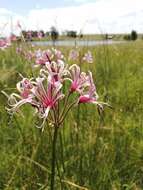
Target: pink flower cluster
47 56
88 57
45 93
75 55
41 57
29 55
6 42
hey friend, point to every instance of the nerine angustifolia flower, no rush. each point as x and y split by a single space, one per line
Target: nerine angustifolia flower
50 93
77 55
5 43
45 92
88 57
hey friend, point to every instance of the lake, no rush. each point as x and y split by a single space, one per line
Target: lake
77 43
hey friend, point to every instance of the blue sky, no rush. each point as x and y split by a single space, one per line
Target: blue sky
23 6
88 16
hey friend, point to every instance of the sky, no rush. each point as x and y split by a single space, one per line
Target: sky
86 16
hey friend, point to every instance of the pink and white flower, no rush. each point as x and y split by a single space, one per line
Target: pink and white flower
41 57
73 55
55 71
19 50
44 57
41 94
29 55
58 54
25 95
24 87
4 43
79 80
88 57
89 95
44 93
39 35
46 96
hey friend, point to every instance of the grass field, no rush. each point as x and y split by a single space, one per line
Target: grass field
93 152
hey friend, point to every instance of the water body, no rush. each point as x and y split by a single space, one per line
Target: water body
76 43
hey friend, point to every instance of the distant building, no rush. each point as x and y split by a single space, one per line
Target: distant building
109 36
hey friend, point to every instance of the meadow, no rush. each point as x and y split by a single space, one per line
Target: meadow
94 152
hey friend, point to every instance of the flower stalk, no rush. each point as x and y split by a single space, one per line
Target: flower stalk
53 160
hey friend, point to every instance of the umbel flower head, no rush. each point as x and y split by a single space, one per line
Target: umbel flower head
5 43
76 55
88 57
45 93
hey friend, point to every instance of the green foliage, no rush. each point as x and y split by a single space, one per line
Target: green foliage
97 152
127 37
72 34
54 34
134 35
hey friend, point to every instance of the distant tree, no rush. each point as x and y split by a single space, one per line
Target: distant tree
127 37
72 34
29 35
34 34
54 34
134 35
47 34
106 36
80 34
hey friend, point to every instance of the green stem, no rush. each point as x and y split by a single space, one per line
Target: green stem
66 112
53 157
65 104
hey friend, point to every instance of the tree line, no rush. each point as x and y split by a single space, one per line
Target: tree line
53 33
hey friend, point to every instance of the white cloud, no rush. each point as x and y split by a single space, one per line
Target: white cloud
8 21
114 16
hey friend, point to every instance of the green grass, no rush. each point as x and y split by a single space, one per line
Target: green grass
98 153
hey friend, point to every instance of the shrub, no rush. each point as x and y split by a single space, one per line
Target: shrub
134 35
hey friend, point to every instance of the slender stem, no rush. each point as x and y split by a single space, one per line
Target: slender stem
65 104
53 162
62 151
55 116
66 112
59 174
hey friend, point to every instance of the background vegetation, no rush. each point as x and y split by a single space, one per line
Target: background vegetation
94 152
